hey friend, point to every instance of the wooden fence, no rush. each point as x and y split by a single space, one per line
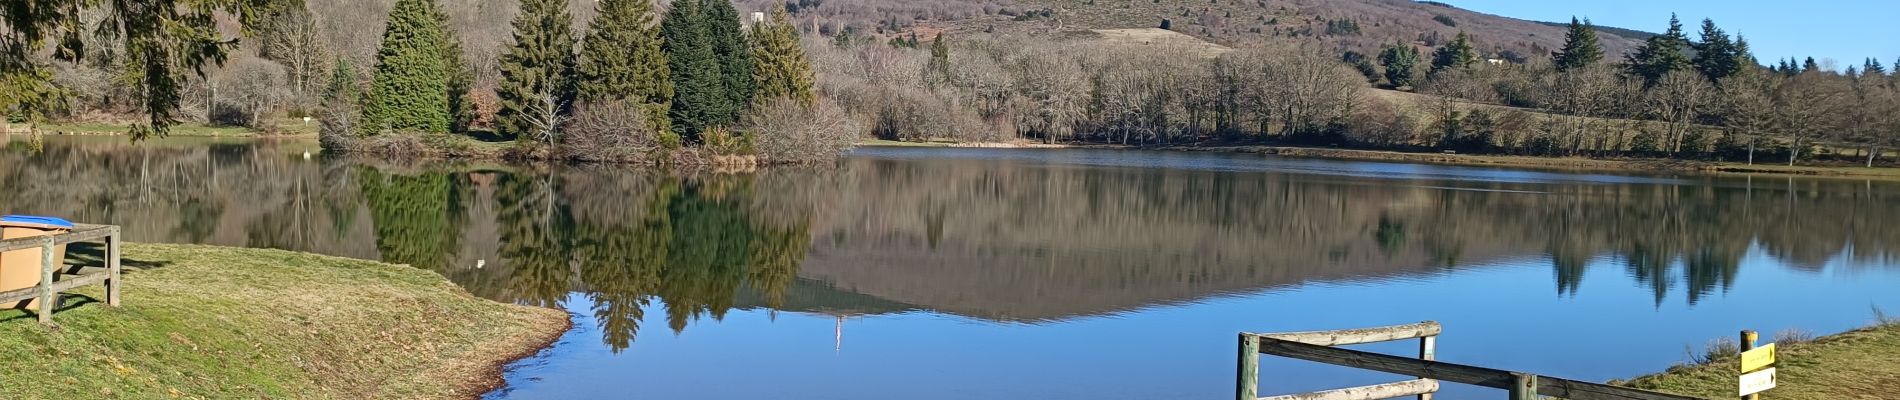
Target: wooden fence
1317 346
58 278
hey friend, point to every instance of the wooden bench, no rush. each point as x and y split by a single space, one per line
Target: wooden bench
55 278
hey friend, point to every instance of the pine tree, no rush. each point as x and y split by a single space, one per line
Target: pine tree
338 117
536 68
1716 55
1810 66
1581 47
779 64
1401 64
698 90
1457 54
624 59
733 49
937 72
1660 55
1872 67
410 90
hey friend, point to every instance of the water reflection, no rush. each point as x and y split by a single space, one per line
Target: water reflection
995 235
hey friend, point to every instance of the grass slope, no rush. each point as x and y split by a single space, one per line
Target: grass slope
1861 364
213 322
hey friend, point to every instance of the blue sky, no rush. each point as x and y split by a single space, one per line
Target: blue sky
1847 31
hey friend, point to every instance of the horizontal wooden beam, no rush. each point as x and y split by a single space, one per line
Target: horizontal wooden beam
79 234
1364 335
1381 391
1466 374
69 283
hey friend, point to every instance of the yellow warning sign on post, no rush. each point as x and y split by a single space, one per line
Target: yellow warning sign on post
1758 357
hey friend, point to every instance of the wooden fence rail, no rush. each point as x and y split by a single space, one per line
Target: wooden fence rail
1315 346
47 291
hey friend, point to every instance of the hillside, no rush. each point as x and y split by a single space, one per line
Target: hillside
1359 25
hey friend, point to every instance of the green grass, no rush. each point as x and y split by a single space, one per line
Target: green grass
213 322
1861 364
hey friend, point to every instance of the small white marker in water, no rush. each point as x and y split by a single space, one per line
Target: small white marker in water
306 154
480 263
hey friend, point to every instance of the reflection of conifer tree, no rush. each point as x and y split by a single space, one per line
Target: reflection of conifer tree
705 261
621 262
1650 268
1711 267
417 218
776 254
536 237
1390 235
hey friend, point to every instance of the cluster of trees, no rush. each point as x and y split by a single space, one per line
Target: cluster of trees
685 77
1671 96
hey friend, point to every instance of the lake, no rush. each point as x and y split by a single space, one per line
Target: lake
924 273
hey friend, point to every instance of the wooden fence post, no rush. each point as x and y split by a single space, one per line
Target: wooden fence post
114 280
1428 351
46 282
1247 385
1748 343
1524 386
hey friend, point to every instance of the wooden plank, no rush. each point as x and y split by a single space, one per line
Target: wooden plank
1428 350
67 284
1758 357
1247 375
79 234
1373 392
1748 343
1466 374
1357 336
1523 386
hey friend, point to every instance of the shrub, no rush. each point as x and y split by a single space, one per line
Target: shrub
785 131
612 131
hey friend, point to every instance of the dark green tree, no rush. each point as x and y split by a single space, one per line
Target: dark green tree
1872 67
779 64
1581 47
410 90
624 59
733 50
1401 64
1659 55
698 89
1457 54
1810 66
937 72
1716 56
536 69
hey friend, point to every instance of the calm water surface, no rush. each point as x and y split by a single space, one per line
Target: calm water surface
1028 274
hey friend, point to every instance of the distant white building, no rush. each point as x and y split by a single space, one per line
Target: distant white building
1494 61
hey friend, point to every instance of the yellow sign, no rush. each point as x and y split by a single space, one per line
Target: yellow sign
1758 382
1758 357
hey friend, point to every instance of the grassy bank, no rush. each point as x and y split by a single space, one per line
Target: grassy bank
212 322
1861 364
190 129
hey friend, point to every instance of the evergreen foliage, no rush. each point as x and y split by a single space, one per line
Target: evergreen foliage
698 89
1457 54
733 50
410 90
1581 47
1716 55
535 67
624 59
1401 64
1660 55
779 64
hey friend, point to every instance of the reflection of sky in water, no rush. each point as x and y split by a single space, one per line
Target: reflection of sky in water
1233 162
1504 315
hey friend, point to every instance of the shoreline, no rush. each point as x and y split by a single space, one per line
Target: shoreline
1529 162
227 322
1849 364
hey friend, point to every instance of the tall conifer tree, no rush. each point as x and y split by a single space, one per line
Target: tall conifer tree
536 67
733 49
1457 54
1715 55
698 89
1581 47
1660 55
779 64
624 59
410 90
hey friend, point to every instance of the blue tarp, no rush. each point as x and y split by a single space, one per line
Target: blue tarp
33 219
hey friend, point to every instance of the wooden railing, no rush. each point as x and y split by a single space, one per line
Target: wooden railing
47 291
1316 346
